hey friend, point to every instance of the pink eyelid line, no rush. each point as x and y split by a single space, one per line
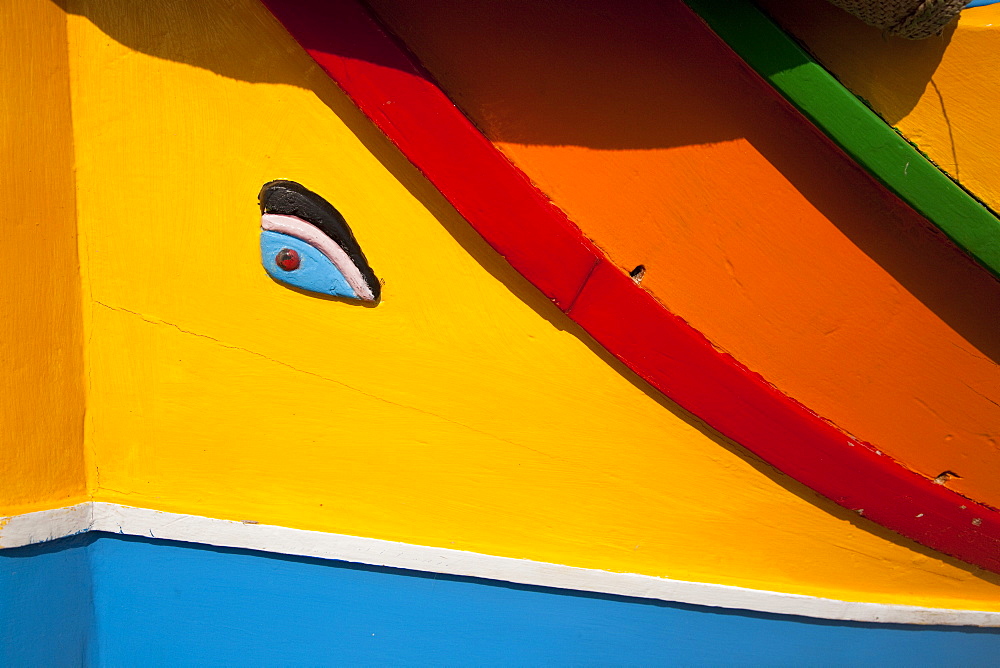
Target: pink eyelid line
309 233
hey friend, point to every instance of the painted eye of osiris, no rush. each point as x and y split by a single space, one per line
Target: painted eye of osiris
306 243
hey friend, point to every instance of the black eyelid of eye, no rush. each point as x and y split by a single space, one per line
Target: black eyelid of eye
289 198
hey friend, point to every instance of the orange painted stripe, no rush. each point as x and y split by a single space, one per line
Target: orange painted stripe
668 152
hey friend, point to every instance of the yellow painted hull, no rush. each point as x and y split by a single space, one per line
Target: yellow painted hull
464 412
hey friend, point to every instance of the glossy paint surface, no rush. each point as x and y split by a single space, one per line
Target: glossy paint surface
165 603
41 339
224 394
754 228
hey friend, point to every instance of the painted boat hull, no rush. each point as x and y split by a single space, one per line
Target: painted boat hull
519 449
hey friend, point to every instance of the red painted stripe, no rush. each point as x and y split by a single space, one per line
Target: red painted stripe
540 242
679 361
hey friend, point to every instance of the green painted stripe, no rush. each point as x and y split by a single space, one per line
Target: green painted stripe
859 131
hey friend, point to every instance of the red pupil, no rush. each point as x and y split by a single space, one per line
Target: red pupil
287 259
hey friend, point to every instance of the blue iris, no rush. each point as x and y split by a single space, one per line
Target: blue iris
315 272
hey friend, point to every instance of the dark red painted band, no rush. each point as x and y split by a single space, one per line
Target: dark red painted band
541 243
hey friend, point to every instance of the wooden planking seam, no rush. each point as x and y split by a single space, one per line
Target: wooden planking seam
47 525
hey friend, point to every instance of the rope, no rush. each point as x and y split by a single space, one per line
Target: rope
912 19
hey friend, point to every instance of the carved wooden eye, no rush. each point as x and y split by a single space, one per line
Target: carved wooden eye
287 259
307 244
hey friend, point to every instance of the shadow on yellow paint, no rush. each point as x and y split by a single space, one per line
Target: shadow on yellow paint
899 70
41 344
538 82
941 93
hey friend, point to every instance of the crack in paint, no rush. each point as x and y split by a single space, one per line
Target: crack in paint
970 353
118 491
219 342
650 493
947 122
992 401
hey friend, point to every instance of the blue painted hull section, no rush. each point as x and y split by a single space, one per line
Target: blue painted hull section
165 603
46 609
315 274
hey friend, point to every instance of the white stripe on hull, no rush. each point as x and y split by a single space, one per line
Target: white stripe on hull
48 525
